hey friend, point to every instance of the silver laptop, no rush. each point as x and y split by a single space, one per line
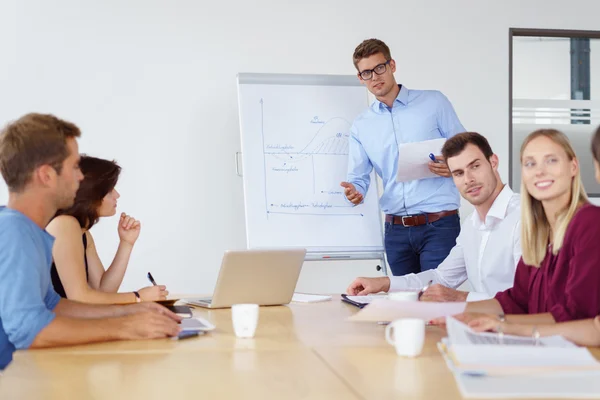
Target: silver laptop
263 277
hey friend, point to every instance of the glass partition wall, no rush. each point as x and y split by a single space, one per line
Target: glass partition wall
554 82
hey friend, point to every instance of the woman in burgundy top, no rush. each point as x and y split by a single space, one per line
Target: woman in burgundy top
585 332
558 277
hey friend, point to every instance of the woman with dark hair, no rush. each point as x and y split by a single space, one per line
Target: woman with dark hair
77 272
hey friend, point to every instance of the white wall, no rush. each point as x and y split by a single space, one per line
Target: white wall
152 84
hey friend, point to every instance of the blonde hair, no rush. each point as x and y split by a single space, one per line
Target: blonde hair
535 227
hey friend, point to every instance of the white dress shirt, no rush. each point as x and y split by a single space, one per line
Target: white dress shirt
486 253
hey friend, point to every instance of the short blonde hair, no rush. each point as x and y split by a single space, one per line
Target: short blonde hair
535 227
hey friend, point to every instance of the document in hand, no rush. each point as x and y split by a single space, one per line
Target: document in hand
413 159
390 310
492 354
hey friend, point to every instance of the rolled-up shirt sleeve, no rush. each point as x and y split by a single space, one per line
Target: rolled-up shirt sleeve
52 298
359 164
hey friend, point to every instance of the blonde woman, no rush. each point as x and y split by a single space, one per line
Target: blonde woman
558 277
584 333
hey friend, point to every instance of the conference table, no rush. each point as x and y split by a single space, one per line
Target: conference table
300 351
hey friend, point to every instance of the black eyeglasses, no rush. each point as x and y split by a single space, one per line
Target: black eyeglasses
379 70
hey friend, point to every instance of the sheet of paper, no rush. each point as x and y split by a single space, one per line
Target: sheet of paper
413 159
390 310
561 384
309 298
583 385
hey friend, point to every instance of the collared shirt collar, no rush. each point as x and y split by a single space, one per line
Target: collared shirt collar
402 98
498 209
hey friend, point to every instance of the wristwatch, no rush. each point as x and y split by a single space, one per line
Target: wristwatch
138 299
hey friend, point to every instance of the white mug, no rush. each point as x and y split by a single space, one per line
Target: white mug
407 335
406 295
245 319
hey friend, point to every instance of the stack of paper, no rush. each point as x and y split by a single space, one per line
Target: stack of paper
487 365
582 385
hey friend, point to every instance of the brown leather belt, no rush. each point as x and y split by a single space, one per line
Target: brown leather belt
418 219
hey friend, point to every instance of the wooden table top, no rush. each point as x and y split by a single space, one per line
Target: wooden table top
300 351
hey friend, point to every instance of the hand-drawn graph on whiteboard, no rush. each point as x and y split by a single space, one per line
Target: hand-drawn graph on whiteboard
295 140
310 162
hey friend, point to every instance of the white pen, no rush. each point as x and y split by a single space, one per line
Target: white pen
424 288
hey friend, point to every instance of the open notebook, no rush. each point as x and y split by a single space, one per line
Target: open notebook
488 353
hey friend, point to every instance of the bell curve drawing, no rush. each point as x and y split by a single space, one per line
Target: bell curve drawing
295 135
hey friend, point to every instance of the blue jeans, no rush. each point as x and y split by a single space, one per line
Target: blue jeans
420 248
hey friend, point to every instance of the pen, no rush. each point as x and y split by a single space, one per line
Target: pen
435 160
424 289
151 279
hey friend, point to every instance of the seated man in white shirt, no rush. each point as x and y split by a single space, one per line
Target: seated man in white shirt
489 245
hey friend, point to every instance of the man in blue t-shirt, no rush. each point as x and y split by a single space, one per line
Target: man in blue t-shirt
39 160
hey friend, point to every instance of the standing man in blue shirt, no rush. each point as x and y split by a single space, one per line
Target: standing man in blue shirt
39 160
421 221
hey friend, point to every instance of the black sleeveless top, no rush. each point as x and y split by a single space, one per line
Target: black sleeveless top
58 287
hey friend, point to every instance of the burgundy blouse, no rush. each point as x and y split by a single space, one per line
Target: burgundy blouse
567 285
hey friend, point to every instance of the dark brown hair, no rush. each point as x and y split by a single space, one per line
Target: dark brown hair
30 142
99 179
368 48
596 145
457 143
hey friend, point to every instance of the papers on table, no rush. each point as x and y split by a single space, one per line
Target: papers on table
490 353
309 298
413 159
562 385
390 310
487 365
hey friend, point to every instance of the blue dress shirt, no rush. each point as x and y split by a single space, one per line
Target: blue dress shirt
415 116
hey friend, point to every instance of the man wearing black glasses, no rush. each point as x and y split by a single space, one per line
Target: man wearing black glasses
421 222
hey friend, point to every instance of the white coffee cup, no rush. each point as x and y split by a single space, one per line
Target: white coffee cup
245 319
407 335
406 295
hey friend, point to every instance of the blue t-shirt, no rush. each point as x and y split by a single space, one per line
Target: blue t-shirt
27 297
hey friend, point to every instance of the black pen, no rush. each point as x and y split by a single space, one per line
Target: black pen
151 279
